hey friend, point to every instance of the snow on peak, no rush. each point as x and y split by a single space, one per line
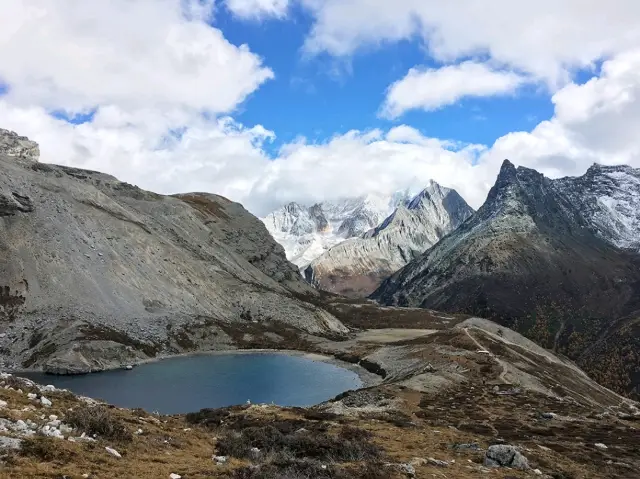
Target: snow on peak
609 200
307 232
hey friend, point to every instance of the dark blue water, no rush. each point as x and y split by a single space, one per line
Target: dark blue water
187 384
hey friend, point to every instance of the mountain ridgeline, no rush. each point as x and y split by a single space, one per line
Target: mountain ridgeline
358 266
555 259
307 232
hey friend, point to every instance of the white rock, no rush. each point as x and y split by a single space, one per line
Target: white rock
139 431
53 417
537 472
9 443
599 445
45 402
32 395
112 451
20 425
3 403
174 476
49 388
220 459
85 475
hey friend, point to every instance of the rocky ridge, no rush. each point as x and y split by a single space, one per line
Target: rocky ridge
609 199
97 273
358 266
537 259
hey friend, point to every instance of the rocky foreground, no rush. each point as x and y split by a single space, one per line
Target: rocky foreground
458 397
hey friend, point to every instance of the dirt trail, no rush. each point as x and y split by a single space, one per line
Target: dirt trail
489 353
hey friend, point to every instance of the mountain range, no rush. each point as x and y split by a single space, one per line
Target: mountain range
555 259
97 273
307 232
358 265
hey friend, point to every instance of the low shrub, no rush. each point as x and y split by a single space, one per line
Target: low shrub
100 421
348 445
45 449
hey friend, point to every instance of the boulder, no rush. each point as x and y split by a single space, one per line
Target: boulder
10 443
503 455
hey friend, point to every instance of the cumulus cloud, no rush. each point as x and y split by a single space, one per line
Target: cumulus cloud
160 82
430 89
151 148
596 121
257 9
358 163
545 38
75 55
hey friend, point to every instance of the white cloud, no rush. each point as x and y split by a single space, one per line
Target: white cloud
224 157
362 162
594 122
430 89
151 67
546 38
213 155
74 55
257 9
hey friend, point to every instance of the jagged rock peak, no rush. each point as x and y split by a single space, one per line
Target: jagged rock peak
13 145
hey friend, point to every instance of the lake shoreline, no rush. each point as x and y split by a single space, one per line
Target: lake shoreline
367 378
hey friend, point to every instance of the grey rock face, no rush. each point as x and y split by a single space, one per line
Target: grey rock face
357 266
609 199
19 147
96 273
501 455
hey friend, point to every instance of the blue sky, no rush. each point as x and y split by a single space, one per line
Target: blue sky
271 101
321 96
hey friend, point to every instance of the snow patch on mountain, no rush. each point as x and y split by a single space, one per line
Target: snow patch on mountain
307 232
609 199
357 266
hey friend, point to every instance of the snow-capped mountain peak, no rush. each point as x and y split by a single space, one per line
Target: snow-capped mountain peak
357 266
609 200
307 232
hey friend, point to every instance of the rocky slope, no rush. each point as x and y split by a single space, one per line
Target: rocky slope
307 232
97 273
608 197
539 260
357 266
